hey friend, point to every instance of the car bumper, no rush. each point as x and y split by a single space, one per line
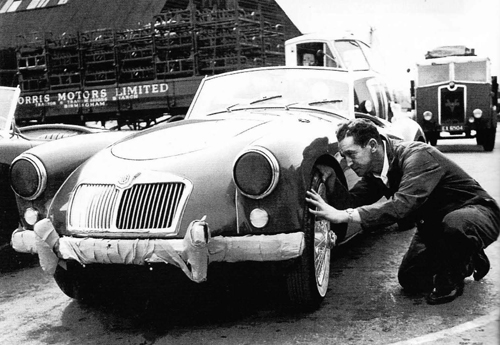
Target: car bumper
192 254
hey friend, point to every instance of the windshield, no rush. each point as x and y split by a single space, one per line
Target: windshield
278 87
8 102
431 74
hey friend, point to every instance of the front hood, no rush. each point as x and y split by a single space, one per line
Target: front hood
185 137
143 174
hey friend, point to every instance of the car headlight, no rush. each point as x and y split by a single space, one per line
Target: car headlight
28 176
477 113
256 172
427 115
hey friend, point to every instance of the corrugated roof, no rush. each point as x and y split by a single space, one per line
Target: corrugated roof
76 15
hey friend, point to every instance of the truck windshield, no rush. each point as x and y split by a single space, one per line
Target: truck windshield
431 74
274 87
471 71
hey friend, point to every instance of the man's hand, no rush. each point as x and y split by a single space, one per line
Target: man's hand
324 211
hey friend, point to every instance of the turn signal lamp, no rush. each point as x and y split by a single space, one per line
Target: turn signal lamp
259 218
477 113
427 115
31 216
471 119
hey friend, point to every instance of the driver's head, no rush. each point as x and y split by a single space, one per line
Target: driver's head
361 145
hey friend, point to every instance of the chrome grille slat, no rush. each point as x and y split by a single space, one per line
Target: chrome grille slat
153 207
162 204
176 195
149 206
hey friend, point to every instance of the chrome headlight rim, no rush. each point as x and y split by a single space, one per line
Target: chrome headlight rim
40 171
273 163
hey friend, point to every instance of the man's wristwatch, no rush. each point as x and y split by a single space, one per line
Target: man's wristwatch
349 214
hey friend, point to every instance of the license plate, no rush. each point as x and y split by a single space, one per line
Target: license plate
452 128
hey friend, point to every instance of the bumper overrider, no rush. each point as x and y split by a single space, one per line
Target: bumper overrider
192 254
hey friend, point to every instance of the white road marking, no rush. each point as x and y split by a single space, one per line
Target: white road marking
429 338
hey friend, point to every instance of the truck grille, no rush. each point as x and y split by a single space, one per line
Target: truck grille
452 105
98 207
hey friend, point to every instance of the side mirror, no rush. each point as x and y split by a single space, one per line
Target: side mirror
366 107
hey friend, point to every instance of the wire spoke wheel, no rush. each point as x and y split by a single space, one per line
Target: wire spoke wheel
307 282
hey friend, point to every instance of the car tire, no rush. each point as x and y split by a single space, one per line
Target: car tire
73 281
307 282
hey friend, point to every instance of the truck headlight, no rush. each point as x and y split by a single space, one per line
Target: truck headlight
477 113
427 115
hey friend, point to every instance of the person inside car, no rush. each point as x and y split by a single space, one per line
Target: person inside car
456 218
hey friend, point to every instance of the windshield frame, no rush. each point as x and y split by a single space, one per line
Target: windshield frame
202 104
8 102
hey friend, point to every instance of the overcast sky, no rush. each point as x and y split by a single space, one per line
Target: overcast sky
404 30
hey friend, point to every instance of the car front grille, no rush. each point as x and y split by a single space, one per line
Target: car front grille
452 105
97 207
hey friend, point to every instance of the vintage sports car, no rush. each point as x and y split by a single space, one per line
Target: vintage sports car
227 184
14 141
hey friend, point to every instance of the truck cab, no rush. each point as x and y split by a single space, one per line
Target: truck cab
371 93
456 96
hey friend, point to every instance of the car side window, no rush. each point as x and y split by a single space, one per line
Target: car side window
315 54
307 54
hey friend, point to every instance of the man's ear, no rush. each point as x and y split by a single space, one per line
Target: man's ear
373 145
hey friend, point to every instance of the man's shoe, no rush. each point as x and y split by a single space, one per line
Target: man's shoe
440 295
481 265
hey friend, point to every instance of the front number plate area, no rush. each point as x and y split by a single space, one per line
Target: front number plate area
453 128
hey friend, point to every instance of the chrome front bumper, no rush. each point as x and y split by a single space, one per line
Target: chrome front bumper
192 254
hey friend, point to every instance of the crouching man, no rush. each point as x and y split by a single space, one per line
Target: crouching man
456 218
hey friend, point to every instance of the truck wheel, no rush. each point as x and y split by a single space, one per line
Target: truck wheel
488 139
307 282
432 138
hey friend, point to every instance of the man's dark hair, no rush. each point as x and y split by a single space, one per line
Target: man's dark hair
361 130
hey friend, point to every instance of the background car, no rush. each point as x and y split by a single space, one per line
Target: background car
13 142
227 184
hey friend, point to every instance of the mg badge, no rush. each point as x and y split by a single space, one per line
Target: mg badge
126 180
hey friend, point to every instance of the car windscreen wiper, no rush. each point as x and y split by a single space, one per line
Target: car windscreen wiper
227 110
266 98
326 101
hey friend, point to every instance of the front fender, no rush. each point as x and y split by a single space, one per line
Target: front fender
60 158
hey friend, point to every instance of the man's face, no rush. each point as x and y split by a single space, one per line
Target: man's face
308 60
359 159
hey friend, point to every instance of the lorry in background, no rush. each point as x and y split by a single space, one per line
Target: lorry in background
455 96
136 76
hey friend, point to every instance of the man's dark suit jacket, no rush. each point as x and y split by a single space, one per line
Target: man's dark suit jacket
424 185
